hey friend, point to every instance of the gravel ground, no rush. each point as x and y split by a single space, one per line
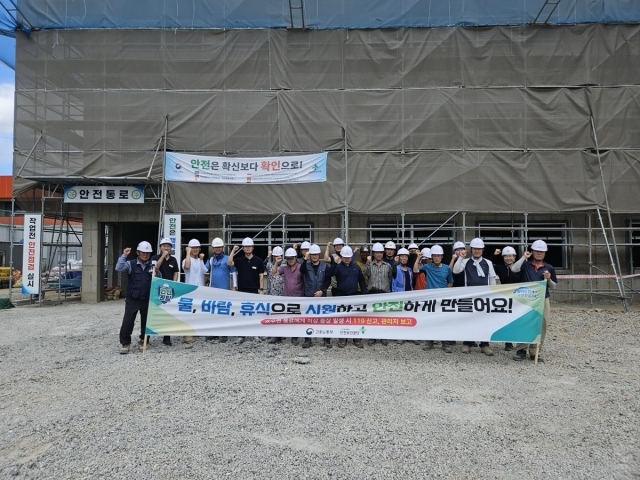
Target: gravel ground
72 407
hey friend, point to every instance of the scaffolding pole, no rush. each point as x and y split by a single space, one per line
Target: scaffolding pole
616 264
163 187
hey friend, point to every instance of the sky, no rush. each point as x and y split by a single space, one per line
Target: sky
7 91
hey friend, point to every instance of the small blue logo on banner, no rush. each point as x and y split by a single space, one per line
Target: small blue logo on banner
525 292
165 293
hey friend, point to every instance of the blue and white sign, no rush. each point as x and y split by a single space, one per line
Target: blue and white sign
191 167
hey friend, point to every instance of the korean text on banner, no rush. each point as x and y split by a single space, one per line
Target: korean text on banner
496 313
172 226
31 255
188 167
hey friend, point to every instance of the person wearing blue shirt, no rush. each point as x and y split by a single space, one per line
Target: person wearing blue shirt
220 273
438 276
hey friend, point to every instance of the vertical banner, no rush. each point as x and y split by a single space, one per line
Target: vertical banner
173 231
31 254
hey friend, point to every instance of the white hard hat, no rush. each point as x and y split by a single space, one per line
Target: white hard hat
346 252
508 251
194 243
165 240
217 242
539 245
338 241
314 249
390 245
412 245
426 252
305 246
144 247
458 245
277 251
437 250
403 251
247 242
477 243
377 247
291 253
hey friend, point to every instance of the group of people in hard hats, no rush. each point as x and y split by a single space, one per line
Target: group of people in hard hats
303 270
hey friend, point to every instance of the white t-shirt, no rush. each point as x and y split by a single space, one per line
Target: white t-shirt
195 274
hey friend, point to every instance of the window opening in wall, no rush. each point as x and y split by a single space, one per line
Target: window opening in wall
414 233
634 240
501 234
272 236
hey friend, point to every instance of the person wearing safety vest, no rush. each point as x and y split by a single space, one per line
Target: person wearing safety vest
380 276
139 275
477 271
438 275
316 278
194 272
250 269
348 278
221 275
166 266
536 270
505 274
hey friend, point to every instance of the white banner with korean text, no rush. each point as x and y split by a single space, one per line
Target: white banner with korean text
496 313
191 167
31 275
172 227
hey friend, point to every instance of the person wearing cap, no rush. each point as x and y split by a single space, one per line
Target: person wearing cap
413 256
139 275
505 274
477 271
274 284
390 253
459 250
166 266
302 253
536 270
193 264
362 261
293 282
380 276
316 278
402 275
438 275
250 270
348 278
220 274
338 244
420 276
194 271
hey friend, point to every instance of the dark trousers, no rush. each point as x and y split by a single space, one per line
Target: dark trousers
249 290
473 344
131 309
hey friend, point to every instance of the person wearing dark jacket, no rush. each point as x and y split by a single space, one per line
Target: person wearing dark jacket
505 273
139 275
348 278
